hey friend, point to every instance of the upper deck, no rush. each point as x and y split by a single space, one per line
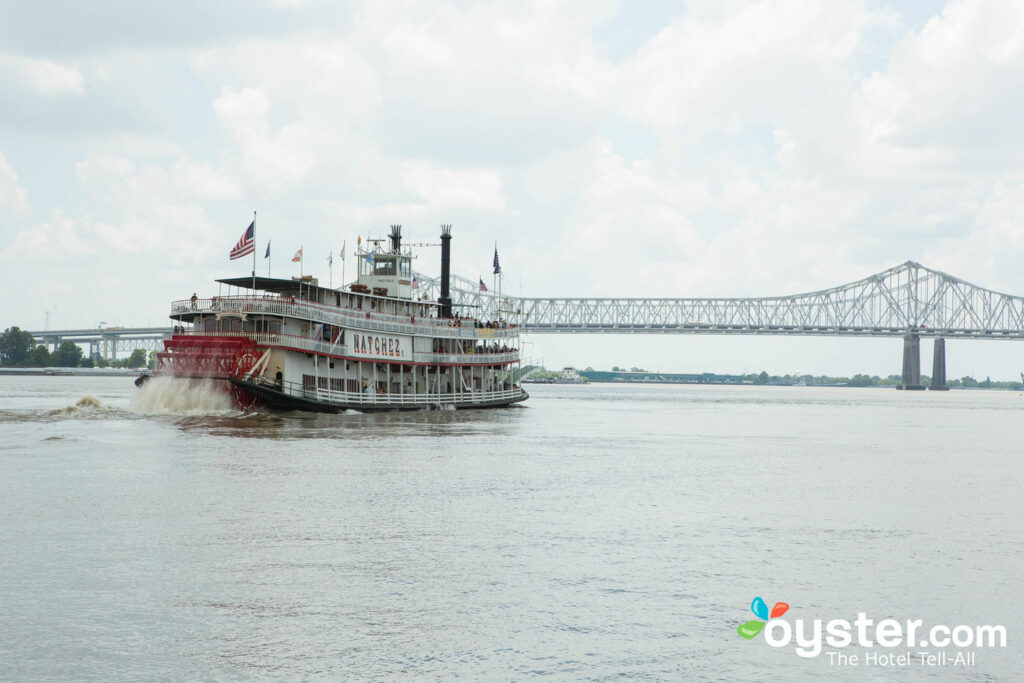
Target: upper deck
366 312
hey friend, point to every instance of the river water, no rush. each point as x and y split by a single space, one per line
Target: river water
596 532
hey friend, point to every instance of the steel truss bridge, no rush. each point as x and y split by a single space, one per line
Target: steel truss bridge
908 300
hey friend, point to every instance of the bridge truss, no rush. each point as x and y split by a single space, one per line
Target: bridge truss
906 299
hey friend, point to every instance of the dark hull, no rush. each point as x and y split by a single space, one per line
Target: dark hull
272 398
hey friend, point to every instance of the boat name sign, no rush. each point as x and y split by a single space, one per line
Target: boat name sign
381 346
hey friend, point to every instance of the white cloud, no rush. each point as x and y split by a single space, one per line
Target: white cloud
270 159
13 197
45 76
447 189
59 239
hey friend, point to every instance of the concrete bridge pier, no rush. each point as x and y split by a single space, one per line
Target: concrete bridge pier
911 364
939 366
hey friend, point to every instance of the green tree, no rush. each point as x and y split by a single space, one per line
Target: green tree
15 346
137 359
39 358
969 382
68 355
762 378
86 363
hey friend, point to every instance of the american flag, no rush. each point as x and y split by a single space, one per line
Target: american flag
415 283
483 287
246 243
497 266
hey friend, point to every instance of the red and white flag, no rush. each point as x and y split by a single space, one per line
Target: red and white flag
298 256
246 243
483 287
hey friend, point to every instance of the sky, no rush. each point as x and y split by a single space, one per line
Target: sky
664 149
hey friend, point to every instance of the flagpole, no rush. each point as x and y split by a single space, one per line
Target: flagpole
254 253
330 264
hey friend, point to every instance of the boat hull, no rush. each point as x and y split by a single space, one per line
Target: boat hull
271 397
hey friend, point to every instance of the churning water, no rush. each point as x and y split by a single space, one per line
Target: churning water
177 396
596 532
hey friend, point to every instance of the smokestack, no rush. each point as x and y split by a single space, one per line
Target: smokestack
396 238
445 300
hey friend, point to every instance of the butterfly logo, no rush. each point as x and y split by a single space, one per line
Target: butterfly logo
760 609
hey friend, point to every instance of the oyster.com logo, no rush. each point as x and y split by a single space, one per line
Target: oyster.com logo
760 609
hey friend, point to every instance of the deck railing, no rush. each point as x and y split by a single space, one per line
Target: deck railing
347 317
291 341
392 399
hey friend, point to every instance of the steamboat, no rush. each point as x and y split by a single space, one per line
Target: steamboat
373 345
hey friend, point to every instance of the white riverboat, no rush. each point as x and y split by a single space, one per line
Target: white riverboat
372 345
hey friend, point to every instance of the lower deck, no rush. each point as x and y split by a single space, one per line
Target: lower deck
290 396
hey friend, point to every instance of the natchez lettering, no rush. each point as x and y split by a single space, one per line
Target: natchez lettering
378 346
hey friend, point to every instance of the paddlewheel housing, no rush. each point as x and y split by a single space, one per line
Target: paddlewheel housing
215 358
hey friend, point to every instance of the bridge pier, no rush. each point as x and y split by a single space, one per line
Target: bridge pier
911 364
939 366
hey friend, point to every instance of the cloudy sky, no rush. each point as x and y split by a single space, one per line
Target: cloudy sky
610 148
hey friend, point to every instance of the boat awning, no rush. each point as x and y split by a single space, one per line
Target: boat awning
274 285
300 288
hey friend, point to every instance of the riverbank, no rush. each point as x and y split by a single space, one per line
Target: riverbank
74 372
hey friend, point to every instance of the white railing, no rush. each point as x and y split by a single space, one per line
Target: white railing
467 358
347 317
292 341
275 339
377 400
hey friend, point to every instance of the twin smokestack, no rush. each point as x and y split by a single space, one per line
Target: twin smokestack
445 300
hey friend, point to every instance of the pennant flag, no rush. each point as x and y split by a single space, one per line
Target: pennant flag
267 255
246 243
342 250
415 283
298 256
483 287
497 267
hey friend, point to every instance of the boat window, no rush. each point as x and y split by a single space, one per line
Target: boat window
406 268
385 265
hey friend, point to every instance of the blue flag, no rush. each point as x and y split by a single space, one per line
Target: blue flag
267 255
497 267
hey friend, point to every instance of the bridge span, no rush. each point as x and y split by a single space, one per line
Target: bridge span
908 300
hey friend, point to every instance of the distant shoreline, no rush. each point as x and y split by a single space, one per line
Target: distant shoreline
73 372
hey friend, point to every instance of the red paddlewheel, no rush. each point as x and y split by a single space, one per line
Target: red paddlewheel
213 356
243 400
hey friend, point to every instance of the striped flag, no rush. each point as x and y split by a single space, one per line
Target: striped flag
415 283
343 249
497 266
298 256
246 244
483 287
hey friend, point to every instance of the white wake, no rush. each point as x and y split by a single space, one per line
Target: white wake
180 396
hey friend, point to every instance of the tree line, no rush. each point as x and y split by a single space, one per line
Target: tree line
18 349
